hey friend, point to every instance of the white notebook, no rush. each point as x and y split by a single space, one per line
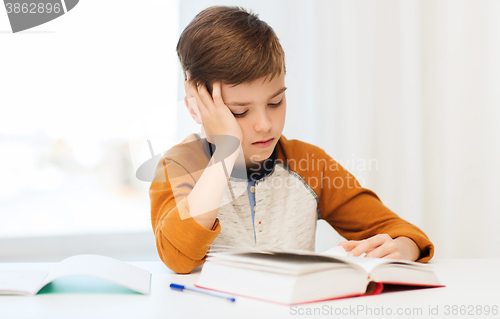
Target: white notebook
30 282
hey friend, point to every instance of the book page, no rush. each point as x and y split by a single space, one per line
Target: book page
285 262
369 264
304 261
285 267
102 267
335 251
20 282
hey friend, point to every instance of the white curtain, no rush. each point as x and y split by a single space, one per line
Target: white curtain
406 96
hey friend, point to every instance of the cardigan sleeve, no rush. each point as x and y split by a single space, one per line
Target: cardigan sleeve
357 213
181 242
363 215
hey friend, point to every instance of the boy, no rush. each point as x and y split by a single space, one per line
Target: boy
245 184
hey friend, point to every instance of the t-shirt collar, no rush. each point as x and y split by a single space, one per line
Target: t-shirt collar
267 164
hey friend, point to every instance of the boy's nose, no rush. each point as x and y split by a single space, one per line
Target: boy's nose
263 124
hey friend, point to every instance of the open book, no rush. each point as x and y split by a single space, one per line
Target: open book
294 277
30 282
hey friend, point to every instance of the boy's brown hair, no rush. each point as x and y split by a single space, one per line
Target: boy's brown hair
231 45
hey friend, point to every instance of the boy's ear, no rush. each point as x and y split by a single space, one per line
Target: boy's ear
196 117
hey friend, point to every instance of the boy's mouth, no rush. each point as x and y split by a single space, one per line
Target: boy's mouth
263 143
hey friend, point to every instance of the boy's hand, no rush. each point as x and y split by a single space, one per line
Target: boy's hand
383 246
215 116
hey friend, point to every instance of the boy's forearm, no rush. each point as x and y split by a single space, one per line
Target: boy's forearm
205 198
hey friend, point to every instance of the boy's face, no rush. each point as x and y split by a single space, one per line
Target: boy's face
262 117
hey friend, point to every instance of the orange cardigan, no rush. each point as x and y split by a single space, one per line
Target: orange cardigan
354 212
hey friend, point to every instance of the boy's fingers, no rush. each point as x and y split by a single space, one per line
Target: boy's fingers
367 244
217 93
205 97
358 250
192 92
194 105
381 251
371 249
349 245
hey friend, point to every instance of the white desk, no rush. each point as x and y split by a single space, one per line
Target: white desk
469 283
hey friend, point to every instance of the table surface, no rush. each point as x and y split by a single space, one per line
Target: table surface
472 285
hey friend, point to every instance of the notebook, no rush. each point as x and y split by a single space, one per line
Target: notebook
30 282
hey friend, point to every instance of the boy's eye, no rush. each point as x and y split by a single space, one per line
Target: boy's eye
276 104
240 115
271 104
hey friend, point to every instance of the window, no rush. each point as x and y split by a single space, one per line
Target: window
74 91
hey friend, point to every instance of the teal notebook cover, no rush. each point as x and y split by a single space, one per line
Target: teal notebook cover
84 285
